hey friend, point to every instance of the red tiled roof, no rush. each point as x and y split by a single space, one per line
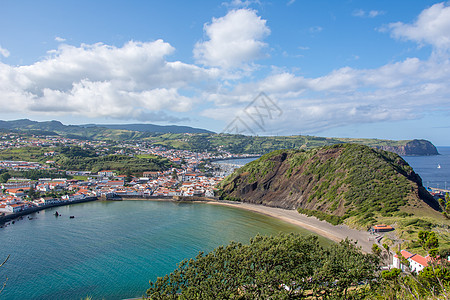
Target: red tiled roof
15 190
420 259
382 226
406 254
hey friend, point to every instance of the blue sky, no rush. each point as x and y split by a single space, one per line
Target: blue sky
360 68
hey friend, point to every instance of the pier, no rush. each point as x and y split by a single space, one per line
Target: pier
438 190
11 216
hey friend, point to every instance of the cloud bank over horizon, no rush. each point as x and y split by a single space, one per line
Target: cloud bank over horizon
139 81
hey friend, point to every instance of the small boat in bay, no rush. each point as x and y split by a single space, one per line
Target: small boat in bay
439 166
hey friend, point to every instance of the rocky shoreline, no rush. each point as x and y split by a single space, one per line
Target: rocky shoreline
12 216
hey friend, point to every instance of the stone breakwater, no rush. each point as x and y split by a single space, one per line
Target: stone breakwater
12 216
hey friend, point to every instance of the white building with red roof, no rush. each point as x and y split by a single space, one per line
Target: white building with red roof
106 173
416 262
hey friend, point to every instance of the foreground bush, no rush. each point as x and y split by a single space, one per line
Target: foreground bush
286 266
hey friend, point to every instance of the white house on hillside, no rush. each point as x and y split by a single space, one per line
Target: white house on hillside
416 262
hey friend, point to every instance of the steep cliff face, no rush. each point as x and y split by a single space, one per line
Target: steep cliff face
347 181
414 147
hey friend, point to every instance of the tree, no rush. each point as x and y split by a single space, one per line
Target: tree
285 266
391 274
387 248
429 241
32 193
376 250
129 176
445 205
344 266
5 177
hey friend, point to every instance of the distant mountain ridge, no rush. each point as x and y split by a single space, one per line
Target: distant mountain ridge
57 126
151 128
199 140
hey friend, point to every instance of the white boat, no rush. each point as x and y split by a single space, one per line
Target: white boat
439 166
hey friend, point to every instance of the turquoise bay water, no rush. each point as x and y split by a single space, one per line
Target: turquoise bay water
111 249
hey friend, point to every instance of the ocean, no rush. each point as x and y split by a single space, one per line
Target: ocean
427 168
110 250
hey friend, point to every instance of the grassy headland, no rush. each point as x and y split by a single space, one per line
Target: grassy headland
344 183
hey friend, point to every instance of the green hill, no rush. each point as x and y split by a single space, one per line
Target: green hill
87 159
151 128
348 183
188 138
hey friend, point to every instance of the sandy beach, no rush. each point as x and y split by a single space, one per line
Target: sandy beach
325 229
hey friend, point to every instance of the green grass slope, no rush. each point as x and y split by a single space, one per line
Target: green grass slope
348 183
86 159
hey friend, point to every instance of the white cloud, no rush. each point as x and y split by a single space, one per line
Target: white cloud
99 80
375 13
431 27
396 91
367 14
233 40
315 29
359 13
60 39
4 52
137 81
290 2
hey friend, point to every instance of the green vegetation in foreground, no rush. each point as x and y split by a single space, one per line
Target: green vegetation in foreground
291 266
285 266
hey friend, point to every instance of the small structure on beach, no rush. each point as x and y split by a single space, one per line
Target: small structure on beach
381 228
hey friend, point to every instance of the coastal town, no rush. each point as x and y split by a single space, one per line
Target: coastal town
192 174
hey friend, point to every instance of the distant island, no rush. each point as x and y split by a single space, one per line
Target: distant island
195 139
